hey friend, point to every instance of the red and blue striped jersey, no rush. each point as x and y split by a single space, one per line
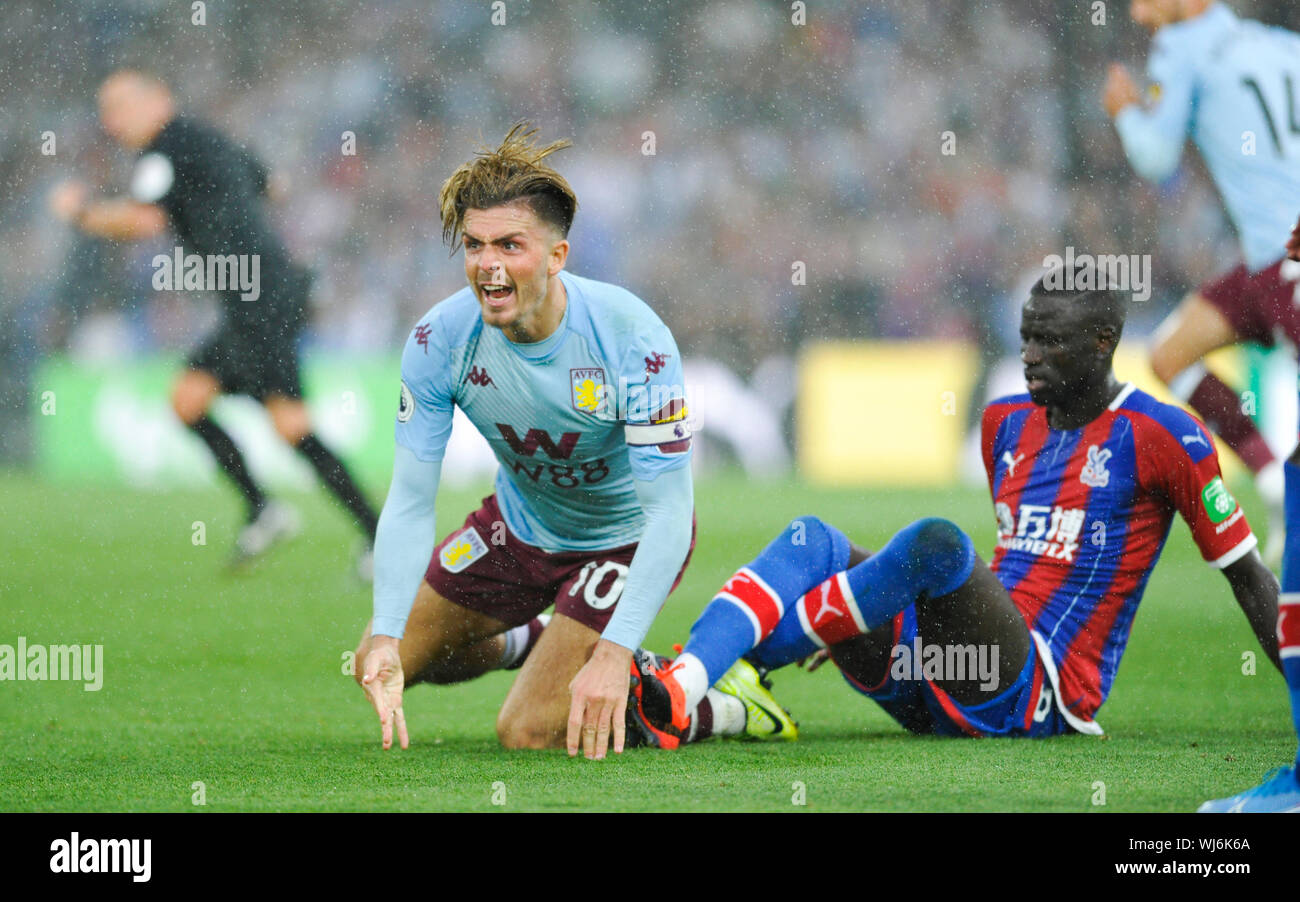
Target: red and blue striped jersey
1083 514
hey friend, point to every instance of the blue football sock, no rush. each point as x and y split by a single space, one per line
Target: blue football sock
930 557
1291 670
1291 510
1291 582
787 644
801 557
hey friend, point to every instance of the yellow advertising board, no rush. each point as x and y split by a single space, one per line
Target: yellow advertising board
893 413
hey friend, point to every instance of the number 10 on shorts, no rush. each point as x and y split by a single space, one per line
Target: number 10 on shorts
590 579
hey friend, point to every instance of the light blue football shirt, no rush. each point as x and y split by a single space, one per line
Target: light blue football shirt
1233 86
571 418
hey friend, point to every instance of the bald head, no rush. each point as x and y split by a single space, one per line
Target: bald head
1088 300
134 106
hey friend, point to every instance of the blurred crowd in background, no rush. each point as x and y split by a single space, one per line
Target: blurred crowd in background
774 144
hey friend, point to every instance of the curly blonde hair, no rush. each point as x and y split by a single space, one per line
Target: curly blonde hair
513 171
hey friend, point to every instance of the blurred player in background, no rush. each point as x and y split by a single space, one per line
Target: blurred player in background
1086 474
577 386
1280 789
1233 87
210 192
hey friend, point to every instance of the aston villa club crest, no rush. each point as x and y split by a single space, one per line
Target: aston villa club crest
588 387
462 550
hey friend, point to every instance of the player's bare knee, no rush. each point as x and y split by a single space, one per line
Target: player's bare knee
518 732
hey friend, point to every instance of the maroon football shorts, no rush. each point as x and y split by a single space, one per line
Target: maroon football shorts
1258 303
483 567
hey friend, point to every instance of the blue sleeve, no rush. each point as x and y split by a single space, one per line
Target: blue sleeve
424 411
669 504
1153 139
404 540
656 420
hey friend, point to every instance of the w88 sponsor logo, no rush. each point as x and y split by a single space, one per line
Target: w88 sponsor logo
565 476
1040 529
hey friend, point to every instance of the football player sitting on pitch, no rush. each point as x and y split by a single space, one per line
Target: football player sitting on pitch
1086 473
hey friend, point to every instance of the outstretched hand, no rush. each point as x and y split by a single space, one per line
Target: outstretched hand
382 680
599 701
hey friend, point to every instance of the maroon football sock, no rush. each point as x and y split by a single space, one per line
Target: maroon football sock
535 627
701 727
1220 407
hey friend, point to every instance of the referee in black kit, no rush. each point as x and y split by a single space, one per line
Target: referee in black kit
210 191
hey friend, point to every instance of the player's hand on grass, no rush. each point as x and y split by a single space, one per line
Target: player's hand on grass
599 701
383 681
68 199
815 660
1120 90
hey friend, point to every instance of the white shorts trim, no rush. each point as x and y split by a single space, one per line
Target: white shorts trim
1088 727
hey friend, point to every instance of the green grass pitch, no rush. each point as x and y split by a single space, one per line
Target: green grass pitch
237 682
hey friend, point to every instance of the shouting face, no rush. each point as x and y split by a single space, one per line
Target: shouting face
512 259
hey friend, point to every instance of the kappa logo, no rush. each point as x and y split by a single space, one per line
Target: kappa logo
479 376
1094 472
422 336
1012 462
462 550
655 362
